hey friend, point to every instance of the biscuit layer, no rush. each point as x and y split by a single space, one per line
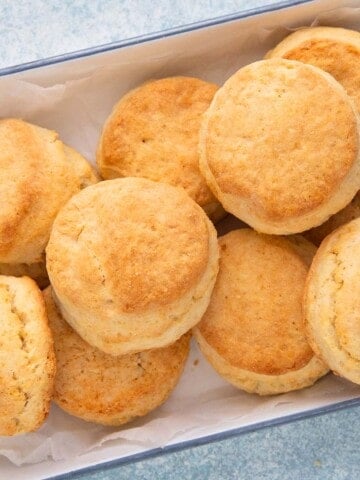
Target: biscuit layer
27 361
253 331
38 174
132 263
331 301
273 155
110 390
153 133
335 50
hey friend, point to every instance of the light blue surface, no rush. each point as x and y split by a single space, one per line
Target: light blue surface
36 29
325 447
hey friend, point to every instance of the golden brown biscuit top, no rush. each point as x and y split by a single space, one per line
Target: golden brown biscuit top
128 244
254 319
36 178
104 383
20 152
269 138
335 50
153 133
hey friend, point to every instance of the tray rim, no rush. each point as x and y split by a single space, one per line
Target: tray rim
120 44
213 438
158 35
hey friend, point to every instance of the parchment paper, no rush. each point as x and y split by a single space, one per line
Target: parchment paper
202 403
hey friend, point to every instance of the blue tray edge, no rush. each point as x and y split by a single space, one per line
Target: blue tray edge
149 37
354 402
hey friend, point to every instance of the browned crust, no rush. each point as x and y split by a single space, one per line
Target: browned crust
153 133
111 390
131 244
267 113
254 320
38 174
335 50
27 360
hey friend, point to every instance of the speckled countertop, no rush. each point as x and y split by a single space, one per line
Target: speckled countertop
325 447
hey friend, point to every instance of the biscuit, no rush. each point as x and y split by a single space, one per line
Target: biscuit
253 332
335 50
350 212
110 390
38 174
84 172
27 360
273 155
228 224
36 271
331 301
132 263
153 132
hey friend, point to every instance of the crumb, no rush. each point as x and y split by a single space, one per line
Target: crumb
196 362
317 463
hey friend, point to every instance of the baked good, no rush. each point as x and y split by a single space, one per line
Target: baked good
27 361
253 332
335 50
132 263
228 224
350 212
38 174
331 301
153 132
105 389
273 155
36 271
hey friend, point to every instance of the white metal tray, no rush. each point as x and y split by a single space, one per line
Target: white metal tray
73 94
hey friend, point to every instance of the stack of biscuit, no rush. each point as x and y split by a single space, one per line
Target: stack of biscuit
134 263
282 163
